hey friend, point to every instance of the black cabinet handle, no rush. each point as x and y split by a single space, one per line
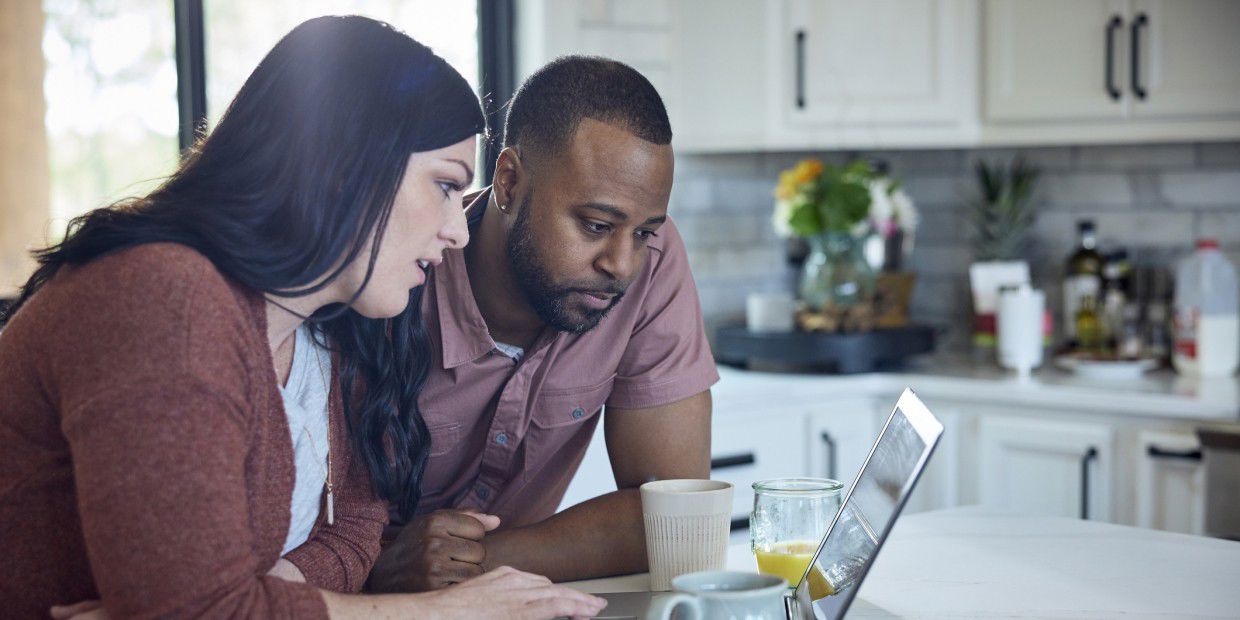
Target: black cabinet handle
1161 453
1114 24
1090 454
739 523
736 460
800 54
1141 21
830 443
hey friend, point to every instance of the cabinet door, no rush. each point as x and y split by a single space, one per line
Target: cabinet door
756 445
1038 467
1188 58
1170 482
1047 59
839 437
876 62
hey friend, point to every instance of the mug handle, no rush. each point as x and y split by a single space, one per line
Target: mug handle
661 608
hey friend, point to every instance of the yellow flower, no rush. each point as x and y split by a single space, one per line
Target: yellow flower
807 170
792 179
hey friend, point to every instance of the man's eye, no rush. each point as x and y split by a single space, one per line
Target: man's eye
646 235
597 228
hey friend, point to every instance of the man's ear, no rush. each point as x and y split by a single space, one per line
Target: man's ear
510 176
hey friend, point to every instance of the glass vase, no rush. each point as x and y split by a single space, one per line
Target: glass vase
836 274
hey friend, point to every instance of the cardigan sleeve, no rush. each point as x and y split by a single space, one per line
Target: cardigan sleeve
339 557
157 408
159 468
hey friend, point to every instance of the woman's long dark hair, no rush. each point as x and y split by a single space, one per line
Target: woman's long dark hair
304 164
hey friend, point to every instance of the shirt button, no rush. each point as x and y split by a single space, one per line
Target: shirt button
501 438
578 413
484 492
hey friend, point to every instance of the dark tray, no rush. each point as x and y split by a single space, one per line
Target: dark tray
840 353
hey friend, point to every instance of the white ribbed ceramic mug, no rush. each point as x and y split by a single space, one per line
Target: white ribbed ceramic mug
686 527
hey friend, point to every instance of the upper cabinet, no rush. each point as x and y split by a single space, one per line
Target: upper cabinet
799 74
755 75
1186 58
1054 60
1078 71
877 70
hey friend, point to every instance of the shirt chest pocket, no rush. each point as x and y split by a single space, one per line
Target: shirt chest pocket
561 425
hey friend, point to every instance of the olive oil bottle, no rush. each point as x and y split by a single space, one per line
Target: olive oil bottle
1082 278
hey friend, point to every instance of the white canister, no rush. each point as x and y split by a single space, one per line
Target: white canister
1019 328
768 313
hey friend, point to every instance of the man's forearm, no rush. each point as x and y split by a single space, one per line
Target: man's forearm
597 538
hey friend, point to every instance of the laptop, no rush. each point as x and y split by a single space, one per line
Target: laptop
861 525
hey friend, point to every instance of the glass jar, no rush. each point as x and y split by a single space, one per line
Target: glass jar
836 273
789 517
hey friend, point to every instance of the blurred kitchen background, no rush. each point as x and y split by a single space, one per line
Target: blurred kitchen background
1127 111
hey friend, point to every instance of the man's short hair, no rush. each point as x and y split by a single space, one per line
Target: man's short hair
545 111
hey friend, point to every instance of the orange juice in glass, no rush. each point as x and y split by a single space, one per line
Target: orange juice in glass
789 518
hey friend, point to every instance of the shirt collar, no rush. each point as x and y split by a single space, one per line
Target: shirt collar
463 334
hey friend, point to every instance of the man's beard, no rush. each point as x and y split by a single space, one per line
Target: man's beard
550 300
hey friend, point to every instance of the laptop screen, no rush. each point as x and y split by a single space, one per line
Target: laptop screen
868 513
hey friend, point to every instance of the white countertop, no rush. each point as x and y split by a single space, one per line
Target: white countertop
1160 393
971 563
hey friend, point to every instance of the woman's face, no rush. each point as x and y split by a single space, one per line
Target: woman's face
427 218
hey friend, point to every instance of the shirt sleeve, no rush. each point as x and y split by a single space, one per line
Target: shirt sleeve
668 357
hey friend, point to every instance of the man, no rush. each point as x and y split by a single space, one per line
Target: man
574 293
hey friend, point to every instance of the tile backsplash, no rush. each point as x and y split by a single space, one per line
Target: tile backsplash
1152 199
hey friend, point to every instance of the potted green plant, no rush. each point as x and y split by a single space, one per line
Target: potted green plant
1002 214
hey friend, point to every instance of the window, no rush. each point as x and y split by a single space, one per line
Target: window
238 33
111 82
111 92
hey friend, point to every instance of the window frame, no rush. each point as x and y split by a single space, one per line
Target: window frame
496 67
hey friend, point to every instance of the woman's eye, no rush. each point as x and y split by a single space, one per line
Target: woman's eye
448 187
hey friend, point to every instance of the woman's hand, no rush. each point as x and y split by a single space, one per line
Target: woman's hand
509 593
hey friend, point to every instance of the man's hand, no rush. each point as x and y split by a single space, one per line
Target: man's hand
433 552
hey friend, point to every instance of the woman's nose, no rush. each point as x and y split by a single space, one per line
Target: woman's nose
455 231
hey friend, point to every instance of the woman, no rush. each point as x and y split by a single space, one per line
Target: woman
160 360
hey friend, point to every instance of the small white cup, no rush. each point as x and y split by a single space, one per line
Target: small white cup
722 595
770 313
686 527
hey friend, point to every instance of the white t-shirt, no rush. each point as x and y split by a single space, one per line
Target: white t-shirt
305 404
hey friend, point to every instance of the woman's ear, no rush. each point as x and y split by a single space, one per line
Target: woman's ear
510 173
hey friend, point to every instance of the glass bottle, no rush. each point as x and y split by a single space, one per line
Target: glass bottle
1082 277
1089 331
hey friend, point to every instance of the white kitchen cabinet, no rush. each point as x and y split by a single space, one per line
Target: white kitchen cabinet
941 481
876 64
1046 60
756 445
838 438
1188 58
1043 467
1170 482
795 74
1081 71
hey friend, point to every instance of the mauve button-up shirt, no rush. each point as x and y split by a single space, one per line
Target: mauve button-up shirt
507 436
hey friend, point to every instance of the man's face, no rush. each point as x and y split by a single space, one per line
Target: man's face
580 233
